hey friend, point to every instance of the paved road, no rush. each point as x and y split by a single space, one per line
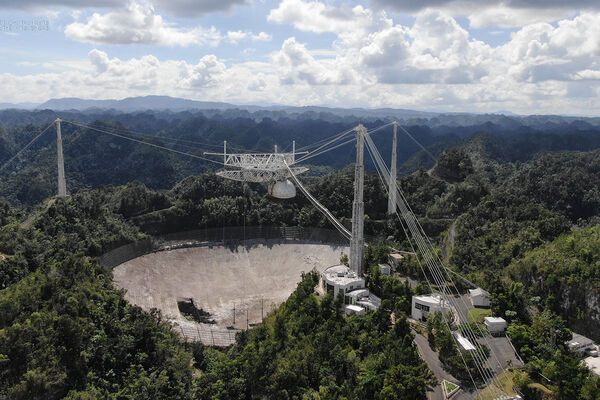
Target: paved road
504 352
435 365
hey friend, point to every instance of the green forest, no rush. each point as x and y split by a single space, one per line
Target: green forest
517 214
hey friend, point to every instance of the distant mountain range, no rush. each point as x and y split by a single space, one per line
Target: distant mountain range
170 108
162 103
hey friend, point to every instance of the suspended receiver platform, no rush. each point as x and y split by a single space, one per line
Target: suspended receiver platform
268 168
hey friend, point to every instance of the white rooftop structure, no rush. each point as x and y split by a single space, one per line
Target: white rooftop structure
479 297
495 325
340 279
352 309
464 343
424 304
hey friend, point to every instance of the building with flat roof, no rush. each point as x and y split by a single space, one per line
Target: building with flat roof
340 279
424 304
495 325
581 344
479 297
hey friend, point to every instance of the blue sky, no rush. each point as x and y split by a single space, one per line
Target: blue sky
444 55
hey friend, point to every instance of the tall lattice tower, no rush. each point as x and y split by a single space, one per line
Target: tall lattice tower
358 207
62 183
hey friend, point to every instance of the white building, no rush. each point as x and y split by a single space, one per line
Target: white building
340 279
479 297
464 343
423 305
385 269
495 325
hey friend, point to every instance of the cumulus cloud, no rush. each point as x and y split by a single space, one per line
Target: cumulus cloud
138 24
434 63
315 16
507 13
180 8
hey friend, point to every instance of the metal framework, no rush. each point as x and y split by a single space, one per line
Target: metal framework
62 183
357 242
259 167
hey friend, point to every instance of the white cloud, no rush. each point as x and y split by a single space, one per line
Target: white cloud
315 16
180 8
237 36
138 24
506 13
432 64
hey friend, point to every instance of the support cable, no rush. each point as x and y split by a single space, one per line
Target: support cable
338 225
425 247
26 146
338 137
142 142
405 228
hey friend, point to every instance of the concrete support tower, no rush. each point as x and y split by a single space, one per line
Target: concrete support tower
62 184
393 174
358 207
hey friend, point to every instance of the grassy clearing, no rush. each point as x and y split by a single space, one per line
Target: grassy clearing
478 314
505 379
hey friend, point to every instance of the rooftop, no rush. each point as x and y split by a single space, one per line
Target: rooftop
431 299
579 341
354 308
464 342
478 292
493 320
397 256
340 275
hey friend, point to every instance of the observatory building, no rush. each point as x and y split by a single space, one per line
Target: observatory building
340 279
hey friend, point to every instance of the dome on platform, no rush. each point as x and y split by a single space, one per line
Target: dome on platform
282 189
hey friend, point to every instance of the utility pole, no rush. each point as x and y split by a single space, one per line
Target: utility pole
393 174
62 184
358 206
233 314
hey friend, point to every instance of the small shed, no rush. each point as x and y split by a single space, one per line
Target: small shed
479 297
385 269
495 325
395 259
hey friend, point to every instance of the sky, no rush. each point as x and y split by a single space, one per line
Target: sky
521 56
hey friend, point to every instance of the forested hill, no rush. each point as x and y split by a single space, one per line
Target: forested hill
65 332
94 159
